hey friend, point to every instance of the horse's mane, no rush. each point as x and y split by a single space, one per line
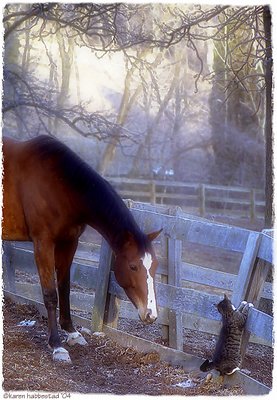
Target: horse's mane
101 196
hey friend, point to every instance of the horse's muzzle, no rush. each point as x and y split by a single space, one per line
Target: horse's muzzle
148 318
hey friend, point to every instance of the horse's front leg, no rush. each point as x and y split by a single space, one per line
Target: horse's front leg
64 253
45 260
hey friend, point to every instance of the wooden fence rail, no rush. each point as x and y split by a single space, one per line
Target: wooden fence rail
199 198
186 290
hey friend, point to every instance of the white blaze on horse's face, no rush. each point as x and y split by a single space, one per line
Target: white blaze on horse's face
151 313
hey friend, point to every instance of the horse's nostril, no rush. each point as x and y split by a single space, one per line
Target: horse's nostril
150 317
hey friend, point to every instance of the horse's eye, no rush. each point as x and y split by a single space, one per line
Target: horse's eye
133 267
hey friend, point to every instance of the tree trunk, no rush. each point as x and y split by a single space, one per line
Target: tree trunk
146 143
125 106
66 65
269 218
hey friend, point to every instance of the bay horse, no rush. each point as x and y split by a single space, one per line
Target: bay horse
49 196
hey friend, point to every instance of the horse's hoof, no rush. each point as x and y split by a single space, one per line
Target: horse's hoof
99 334
61 355
76 338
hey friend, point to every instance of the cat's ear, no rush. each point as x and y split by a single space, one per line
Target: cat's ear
225 297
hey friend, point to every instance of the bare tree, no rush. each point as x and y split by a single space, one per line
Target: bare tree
106 28
269 215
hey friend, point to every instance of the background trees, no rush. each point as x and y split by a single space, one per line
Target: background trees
148 88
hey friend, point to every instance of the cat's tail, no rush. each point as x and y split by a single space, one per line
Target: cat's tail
206 366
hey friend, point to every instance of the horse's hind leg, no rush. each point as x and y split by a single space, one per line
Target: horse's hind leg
64 253
44 256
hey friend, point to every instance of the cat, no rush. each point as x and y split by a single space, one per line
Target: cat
227 355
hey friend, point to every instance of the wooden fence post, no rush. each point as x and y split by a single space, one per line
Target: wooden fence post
253 295
174 331
202 200
243 281
103 276
152 192
252 205
111 313
174 278
164 279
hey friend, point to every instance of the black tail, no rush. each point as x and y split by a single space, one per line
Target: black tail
206 366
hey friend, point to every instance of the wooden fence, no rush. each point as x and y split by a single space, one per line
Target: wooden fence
203 199
187 289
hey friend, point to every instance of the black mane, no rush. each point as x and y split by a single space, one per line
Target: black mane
109 212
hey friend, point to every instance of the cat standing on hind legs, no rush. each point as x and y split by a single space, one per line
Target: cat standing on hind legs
227 354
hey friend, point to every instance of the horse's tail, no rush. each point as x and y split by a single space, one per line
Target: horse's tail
206 366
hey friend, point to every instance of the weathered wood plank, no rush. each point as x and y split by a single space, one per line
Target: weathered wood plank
177 299
23 258
189 272
260 324
266 248
250 385
86 274
84 302
200 304
195 231
213 278
78 300
201 324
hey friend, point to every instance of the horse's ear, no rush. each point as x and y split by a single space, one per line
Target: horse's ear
152 236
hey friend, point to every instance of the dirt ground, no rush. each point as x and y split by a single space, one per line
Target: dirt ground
257 363
102 366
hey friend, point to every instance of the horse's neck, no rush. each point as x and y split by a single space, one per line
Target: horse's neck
113 238
108 214
114 232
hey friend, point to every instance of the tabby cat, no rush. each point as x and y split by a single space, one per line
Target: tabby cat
227 355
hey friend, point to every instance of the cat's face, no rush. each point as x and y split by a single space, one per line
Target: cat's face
225 306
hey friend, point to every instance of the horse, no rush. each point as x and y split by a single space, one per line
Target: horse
49 196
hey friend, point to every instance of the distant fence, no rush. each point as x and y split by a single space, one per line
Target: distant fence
187 289
199 198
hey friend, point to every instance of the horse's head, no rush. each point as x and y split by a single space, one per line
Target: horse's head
135 271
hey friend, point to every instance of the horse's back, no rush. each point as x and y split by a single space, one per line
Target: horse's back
35 201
